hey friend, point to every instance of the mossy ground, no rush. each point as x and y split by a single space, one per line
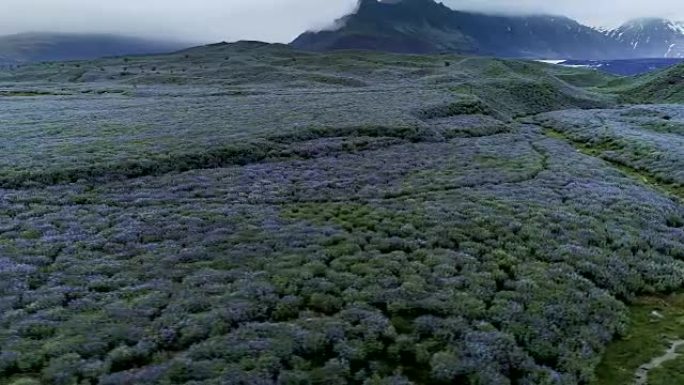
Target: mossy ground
655 322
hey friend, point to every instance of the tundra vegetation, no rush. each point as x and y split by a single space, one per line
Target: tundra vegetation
249 214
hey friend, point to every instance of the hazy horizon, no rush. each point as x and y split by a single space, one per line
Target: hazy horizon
272 20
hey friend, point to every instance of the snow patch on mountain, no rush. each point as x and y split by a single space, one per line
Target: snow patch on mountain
650 37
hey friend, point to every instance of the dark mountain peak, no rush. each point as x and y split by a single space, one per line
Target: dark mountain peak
428 26
389 10
366 4
405 2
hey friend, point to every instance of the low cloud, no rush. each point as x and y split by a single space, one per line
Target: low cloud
271 20
196 20
608 13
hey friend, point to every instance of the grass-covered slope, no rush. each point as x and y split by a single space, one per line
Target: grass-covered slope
250 214
665 86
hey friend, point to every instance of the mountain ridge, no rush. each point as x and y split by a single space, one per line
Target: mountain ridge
426 26
651 37
54 46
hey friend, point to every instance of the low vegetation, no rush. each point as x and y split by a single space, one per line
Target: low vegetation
248 214
646 139
659 87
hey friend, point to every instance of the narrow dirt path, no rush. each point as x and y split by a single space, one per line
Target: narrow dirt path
641 375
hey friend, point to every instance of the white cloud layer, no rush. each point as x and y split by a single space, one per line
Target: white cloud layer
609 13
196 20
271 20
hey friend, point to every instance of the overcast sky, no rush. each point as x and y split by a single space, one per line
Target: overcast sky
271 20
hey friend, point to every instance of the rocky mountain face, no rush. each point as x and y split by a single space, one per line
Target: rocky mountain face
425 26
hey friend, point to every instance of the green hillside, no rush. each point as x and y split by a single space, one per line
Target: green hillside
665 86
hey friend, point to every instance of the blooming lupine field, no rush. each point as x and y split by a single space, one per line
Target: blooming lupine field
246 214
644 138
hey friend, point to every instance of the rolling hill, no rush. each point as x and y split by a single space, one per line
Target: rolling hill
665 86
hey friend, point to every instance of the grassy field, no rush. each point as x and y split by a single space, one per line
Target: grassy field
249 214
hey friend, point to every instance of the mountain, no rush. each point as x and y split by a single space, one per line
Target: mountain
651 37
425 26
35 47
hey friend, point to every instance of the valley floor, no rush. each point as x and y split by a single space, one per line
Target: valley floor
375 219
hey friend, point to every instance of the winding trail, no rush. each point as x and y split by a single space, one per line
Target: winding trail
641 375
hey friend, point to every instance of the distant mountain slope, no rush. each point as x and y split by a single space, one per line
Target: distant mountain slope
33 47
626 67
651 37
424 26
